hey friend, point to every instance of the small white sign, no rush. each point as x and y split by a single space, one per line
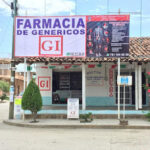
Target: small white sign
17 108
12 79
11 98
124 80
73 108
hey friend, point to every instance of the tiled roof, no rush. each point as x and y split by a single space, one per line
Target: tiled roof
5 61
139 52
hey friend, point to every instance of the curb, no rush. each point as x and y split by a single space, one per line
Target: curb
96 116
82 126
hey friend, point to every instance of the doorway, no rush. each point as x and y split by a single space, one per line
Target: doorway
130 90
66 85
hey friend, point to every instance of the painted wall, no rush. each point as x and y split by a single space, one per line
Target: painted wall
100 83
44 81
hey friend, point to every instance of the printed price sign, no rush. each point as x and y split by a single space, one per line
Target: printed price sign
73 108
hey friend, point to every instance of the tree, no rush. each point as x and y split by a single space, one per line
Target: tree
32 99
3 97
4 87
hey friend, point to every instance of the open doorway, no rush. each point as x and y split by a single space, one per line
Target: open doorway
66 85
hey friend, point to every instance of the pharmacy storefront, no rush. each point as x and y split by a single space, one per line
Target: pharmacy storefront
76 57
97 81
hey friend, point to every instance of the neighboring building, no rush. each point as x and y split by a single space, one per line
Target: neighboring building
5 74
93 80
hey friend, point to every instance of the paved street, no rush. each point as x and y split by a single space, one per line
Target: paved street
19 138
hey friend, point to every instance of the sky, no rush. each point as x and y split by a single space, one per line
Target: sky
138 27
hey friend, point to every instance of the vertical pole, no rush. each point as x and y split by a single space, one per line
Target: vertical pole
28 74
25 66
83 87
51 74
141 19
140 86
118 89
136 87
25 60
123 102
12 82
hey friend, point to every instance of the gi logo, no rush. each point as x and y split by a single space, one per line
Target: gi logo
51 45
44 83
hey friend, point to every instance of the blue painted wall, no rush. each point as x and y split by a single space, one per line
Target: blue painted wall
91 101
107 101
47 101
100 101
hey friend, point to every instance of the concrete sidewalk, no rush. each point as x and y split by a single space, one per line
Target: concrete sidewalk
95 124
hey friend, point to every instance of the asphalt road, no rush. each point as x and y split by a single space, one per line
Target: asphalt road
19 138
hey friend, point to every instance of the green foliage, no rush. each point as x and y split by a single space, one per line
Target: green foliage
147 76
86 117
32 99
3 97
4 86
148 116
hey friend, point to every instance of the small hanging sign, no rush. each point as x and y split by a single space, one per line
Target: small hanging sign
124 80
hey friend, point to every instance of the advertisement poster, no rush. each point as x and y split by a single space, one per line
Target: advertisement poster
72 36
95 77
73 108
107 36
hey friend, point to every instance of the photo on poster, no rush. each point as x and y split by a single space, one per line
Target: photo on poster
107 37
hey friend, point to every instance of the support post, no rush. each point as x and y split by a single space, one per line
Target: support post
12 91
124 102
12 82
28 74
25 60
140 86
118 89
83 87
136 88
